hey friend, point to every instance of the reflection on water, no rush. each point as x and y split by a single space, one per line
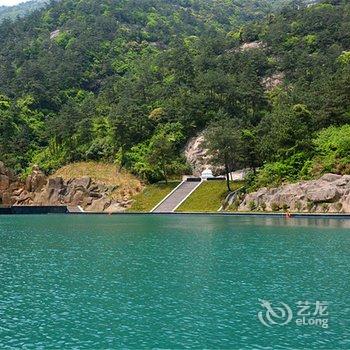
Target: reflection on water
302 222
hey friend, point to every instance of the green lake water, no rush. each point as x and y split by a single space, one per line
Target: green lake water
96 282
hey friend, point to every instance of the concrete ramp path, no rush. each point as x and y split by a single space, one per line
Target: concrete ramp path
75 209
170 203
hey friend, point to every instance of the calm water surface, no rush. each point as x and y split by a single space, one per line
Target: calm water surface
170 281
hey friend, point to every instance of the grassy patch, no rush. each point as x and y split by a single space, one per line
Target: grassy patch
208 197
151 196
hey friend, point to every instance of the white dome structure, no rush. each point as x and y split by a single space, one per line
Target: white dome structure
207 174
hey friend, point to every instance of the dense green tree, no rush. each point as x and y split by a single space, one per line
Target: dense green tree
163 153
159 158
101 79
249 149
223 141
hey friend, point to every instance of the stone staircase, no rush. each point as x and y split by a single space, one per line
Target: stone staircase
170 203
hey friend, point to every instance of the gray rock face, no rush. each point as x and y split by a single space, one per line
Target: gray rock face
330 193
40 190
321 195
251 45
330 177
346 203
196 155
74 192
8 183
55 183
100 205
272 81
36 181
83 182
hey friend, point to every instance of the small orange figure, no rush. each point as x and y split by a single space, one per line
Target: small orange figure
288 214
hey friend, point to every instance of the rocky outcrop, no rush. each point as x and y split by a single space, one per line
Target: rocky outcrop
330 193
37 189
54 34
273 81
83 192
8 184
253 45
36 181
4 182
197 156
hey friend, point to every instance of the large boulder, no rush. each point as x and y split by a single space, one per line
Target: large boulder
54 197
78 198
115 208
52 193
330 193
323 194
25 198
346 203
55 183
83 182
99 205
6 199
330 177
35 181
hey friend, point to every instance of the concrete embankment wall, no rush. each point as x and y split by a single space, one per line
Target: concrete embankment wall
30 210
16 210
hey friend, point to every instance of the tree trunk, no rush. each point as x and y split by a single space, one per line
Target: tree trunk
227 177
165 175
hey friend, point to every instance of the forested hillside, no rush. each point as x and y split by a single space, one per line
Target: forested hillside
130 81
21 9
